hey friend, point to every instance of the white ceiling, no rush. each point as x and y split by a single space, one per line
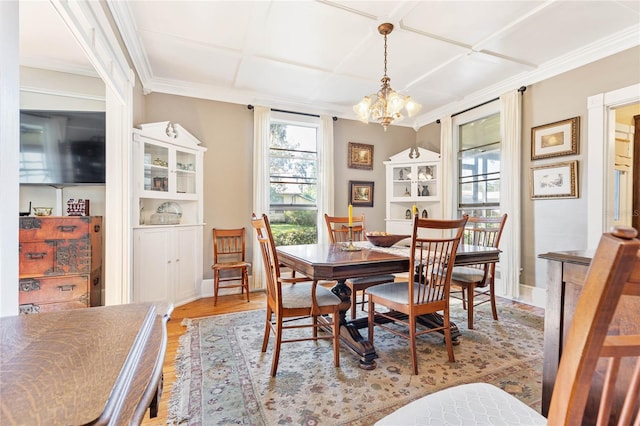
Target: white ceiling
324 56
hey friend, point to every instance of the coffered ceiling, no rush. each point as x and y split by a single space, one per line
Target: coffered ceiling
324 56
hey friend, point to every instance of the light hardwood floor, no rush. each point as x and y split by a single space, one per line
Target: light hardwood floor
199 308
203 308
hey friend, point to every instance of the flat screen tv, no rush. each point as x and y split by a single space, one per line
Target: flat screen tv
61 148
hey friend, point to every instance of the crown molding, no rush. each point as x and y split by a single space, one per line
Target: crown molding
608 46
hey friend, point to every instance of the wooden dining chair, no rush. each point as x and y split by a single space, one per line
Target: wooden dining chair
229 265
475 284
295 303
427 290
338 233
596 349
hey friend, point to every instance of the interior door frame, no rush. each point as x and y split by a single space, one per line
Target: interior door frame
90 26
601 152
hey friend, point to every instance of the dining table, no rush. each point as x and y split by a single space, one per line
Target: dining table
340 261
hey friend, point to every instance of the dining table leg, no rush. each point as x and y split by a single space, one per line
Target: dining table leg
349 330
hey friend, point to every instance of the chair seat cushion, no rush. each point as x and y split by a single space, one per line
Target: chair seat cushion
299 296
464 405
466 274
396 292
378 279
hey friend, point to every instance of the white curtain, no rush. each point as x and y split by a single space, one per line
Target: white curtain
510 177
325 176
447 166
261 135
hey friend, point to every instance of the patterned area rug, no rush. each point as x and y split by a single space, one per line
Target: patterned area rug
223 378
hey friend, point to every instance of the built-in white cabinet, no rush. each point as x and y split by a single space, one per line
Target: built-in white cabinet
167 264
412 179
168 213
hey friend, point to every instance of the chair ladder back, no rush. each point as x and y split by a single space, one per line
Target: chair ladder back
614 272
431 256
484 231
229 243
338 228
269 257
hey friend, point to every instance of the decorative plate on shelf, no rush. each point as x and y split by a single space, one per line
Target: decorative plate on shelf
384 239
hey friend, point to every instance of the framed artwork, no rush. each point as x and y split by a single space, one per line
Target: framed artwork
360 156
555 139
558 180
360 193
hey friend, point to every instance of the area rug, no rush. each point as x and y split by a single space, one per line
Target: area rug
223 378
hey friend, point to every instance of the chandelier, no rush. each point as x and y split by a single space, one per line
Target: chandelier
385 106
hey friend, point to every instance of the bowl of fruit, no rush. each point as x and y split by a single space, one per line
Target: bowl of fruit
384 239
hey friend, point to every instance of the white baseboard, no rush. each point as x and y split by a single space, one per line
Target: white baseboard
533 296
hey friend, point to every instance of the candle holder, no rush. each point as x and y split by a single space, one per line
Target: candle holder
349 244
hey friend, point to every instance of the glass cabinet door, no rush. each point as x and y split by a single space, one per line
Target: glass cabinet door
427 183
401 182
156 168
185 168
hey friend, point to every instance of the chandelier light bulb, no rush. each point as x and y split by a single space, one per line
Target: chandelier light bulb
385 107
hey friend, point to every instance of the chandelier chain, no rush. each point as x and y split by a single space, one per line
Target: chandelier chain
385 55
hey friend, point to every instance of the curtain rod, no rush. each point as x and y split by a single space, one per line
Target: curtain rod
521 90
294 112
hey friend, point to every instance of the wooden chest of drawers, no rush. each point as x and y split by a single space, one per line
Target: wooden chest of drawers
60 263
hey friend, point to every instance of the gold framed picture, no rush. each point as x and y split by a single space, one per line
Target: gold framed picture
360 156
555 139
559 180
361 193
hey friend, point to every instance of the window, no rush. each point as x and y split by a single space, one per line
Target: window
293 182
479 167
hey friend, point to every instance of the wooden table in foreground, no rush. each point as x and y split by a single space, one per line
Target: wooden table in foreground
566 273
99 366
329 262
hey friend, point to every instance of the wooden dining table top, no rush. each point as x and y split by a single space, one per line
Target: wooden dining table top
332 262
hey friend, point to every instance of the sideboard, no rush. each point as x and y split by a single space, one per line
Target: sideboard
98 365
60 263
565 279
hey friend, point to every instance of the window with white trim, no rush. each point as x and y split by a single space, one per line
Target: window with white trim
479 147
293 182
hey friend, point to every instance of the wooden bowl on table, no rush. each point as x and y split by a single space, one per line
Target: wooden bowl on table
384 239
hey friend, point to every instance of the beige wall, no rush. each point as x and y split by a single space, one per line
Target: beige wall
428 137
552 225
547 225
385 144
227 132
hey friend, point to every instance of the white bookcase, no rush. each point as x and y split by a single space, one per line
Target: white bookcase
167 258
412 181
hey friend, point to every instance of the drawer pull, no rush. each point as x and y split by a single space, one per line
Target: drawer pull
68 287
29 285
36 255
67 228
29 308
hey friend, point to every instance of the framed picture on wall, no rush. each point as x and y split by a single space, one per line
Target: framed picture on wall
360 156
559 180
555 139
361 193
